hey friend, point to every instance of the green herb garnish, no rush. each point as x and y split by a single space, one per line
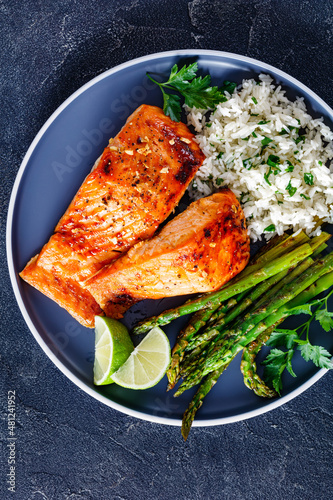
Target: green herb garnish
197 91
308 179
254 100
243 196
266 176
290 167
270 228
291 189
299 139
273 162
292 339
228 87
265 141
247 163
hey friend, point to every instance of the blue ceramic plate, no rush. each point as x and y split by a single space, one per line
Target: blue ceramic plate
54 167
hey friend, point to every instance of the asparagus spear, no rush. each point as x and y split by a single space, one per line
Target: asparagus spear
321 285
265 290
200 344
198 320
229 290
317 244
220 311
185 342
224 352
249 368
209 314
254 294
197 401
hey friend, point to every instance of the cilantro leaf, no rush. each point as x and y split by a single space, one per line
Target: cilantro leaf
282 337
183 75
197 91
171 106
325 319
275 364
317 354
289 357
279 360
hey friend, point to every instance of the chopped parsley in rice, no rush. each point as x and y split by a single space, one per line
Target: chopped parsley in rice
272 154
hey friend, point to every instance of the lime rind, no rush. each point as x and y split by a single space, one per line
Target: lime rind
113 346
147 364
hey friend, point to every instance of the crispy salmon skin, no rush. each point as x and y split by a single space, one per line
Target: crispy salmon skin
197 251
134 186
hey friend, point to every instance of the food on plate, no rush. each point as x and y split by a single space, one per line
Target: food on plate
272 154
196 90
252 275
255 150
147 364
133 187
197 251
113 345
293 272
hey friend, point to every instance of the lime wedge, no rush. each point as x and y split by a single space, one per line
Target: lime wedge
147 364
113 345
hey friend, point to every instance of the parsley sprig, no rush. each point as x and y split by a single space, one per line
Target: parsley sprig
196 90
293 340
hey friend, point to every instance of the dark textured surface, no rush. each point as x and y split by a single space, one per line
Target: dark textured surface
68 445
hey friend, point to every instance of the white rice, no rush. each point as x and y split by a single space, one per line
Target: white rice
287 184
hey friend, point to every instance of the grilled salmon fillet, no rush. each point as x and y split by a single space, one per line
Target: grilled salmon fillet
133 187
197 251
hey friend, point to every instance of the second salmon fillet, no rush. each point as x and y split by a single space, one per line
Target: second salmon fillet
197 251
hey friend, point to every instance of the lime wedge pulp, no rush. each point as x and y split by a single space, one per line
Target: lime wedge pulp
113 346
147 364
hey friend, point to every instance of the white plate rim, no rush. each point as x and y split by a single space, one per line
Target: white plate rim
13 277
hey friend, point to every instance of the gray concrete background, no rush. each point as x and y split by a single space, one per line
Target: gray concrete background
70 446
